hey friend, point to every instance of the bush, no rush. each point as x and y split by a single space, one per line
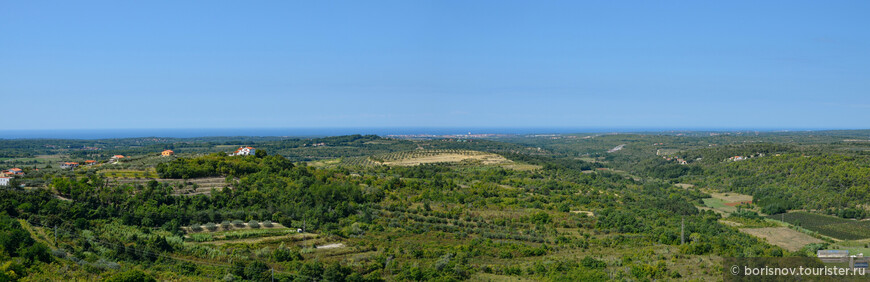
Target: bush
226 225
196 228
238 223
267 223
253 224
211 226
285 254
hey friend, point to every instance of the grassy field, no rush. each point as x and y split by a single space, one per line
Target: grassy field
834 227
784 237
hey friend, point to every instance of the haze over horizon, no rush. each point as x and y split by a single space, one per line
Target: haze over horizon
444 64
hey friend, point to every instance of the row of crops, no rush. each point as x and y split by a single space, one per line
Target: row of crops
835 227
425 153
379 159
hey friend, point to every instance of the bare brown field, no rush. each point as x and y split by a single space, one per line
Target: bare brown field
731 197
734 204
784 237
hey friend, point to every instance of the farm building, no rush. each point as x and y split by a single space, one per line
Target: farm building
90 162
4 181
69 165
167 153
244 151
117 157
12 172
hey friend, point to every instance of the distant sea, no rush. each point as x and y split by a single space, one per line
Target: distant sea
294 132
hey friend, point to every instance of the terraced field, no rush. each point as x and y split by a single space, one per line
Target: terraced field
189 187
835 227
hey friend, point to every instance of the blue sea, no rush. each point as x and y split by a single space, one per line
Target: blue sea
295 132
313 132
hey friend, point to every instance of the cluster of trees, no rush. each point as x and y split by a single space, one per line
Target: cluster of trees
18 251
792 181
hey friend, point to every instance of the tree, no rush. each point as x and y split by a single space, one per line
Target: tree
260 153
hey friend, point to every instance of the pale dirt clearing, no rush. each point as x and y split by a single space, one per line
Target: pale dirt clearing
331 246
784 237
587 213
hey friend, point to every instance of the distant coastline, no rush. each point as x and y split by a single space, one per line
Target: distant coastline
318 132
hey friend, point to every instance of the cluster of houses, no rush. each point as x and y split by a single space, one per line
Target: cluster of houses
6 175
740 158
244 151
679 160
72 165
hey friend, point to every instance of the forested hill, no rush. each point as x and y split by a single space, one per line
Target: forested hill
555 208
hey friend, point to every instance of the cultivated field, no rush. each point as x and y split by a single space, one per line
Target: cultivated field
834 227
784 237
417 157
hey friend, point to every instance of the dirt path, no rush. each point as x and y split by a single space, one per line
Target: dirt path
297 237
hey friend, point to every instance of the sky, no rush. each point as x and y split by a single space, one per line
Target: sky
323 64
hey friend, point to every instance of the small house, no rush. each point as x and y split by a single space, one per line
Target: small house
4 181
90 162
69 165
167 153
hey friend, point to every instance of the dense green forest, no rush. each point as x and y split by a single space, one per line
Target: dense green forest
560 208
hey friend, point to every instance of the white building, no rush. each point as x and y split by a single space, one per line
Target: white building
4 181
244 151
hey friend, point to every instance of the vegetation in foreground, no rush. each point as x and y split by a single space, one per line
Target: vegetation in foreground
566 218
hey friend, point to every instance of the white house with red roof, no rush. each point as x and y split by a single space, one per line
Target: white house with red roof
244 151
69 165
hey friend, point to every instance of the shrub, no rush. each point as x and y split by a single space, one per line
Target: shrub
238 223
253 224
211 226
267 223
196 228
226 224
285 254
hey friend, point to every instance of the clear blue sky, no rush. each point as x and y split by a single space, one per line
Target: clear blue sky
286 64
